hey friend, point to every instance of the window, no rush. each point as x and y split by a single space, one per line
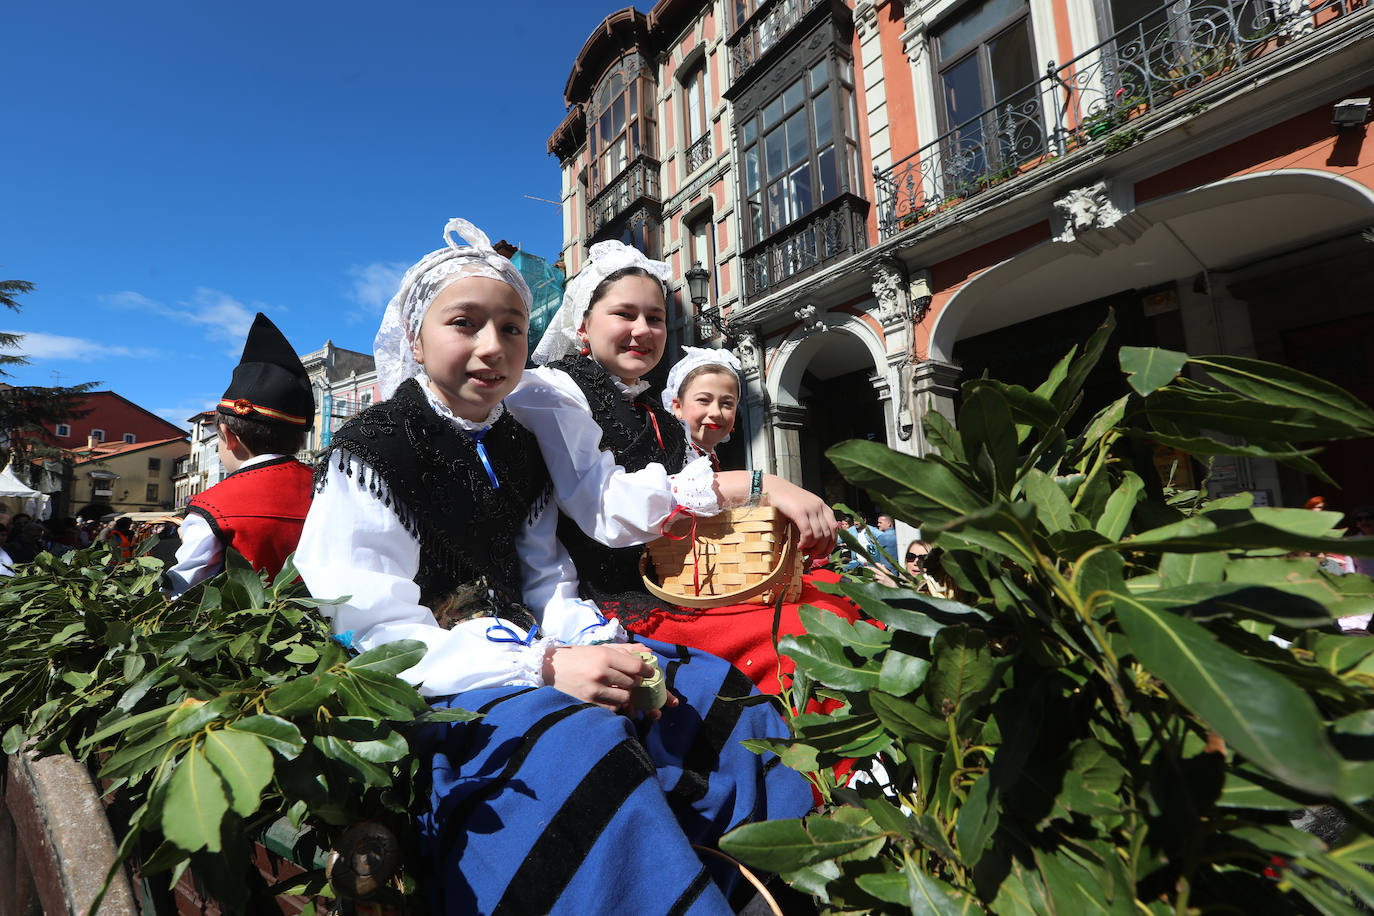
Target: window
701 251
367 400
798 151
98 435
988 103
63 430
152 493
129 437
620 120
155 464
695 122
743 9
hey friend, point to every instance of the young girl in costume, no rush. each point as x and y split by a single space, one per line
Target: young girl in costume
432 516
597 423
703 391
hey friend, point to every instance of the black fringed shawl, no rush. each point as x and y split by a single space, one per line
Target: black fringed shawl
608 575
428 473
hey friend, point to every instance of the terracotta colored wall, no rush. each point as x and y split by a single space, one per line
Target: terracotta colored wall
901 96
949 276
1308 141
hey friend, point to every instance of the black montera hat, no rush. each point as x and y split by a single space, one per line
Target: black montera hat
269 382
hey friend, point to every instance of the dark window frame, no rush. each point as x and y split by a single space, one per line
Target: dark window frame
637 89
974 132
758 220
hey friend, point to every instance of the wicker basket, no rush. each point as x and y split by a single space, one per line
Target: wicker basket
741 556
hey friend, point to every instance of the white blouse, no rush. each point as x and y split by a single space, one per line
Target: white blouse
355 547
612 505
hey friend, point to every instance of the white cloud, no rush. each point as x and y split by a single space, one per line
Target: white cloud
373 286
219 315
36 345
179 414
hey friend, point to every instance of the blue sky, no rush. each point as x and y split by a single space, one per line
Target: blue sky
170 168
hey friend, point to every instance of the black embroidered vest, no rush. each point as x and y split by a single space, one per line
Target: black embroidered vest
428 472
610 576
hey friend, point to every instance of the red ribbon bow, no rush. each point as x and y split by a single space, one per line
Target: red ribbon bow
668 523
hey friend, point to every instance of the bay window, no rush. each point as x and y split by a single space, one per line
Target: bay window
797 152
620 120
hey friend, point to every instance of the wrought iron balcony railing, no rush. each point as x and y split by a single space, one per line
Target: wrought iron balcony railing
1093 98
764 32
639 181
835 231
699 153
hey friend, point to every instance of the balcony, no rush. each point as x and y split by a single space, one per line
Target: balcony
829 234
760 35
699 153
637 183
1093 100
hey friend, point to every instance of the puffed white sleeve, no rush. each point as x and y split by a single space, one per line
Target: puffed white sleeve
354 547
549 582
612 505
199 557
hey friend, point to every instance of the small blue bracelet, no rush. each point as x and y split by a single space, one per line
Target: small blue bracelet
755 488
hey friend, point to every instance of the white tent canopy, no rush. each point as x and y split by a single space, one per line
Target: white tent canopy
36 504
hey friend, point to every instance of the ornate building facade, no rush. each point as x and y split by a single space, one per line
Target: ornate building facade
893 196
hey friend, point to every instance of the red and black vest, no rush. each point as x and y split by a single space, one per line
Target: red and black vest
259 510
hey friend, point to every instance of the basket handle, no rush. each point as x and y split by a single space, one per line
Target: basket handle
780 572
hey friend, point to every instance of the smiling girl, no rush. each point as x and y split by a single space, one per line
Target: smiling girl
431 522
618 460
703 392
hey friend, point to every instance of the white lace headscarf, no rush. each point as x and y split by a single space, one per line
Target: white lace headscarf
694 358
422 283
604 258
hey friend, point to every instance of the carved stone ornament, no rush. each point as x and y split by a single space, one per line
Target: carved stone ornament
887 287
749 348
1086 208
1089 217
865 17
914 40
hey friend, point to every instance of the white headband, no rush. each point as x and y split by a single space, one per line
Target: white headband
424 281
694 358
604 258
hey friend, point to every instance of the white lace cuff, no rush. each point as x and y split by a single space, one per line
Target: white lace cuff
610 631
694 487
528 664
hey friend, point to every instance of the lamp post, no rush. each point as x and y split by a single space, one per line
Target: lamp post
709 321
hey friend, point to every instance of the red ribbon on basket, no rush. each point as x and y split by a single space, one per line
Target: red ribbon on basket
668 523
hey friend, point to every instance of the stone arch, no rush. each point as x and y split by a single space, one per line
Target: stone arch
794 354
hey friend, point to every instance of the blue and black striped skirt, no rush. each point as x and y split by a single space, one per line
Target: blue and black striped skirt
551 805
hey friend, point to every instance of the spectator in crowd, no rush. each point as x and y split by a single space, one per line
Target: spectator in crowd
26 540
883 543
1362 525
6 562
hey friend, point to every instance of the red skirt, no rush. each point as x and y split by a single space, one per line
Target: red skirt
742 634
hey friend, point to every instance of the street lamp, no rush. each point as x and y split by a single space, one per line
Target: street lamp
709 321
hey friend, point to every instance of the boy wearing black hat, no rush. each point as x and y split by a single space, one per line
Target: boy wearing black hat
259 507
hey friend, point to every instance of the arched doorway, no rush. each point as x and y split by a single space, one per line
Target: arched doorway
829 387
